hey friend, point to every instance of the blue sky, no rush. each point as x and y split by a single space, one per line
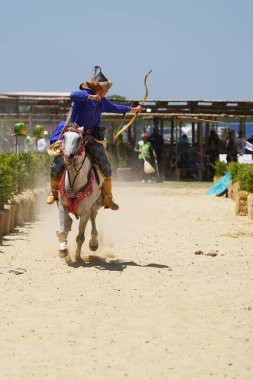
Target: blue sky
198 49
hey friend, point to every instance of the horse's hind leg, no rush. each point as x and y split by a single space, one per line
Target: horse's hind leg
93 243
80 237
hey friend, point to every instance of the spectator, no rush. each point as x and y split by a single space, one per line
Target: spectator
43 143
144 148
157 142
213 147
183 147
194 162
29 144
150 128
231 147
212 153
171 164
240 143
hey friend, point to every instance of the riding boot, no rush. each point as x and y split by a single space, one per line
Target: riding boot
107 193
53 195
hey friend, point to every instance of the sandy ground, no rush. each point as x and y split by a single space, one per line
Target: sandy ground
178 303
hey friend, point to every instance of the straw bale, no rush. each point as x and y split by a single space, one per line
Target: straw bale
242 195
236 186
230 189
241 207
250 206
7 220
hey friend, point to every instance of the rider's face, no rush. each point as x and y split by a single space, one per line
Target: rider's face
103 92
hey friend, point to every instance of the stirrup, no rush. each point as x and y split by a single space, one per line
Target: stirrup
109 203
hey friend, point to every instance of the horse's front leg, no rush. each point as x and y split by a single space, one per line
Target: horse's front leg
65 227
93 243
80 237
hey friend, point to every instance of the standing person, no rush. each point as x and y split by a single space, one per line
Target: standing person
212 152
157 142
44 142
183 148
144 148
231 147
87 106
240 143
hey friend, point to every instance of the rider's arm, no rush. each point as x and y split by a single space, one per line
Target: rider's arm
56 132
108 106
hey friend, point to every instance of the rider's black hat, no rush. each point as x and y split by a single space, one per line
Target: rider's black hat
100 78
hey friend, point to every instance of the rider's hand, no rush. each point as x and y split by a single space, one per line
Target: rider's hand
96 97
137 109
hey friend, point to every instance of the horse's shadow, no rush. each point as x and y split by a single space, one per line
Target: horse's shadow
114 265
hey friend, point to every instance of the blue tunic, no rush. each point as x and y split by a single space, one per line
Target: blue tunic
87 112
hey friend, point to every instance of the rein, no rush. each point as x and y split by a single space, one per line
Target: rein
77 172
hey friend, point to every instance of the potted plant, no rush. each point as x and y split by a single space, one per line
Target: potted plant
6 186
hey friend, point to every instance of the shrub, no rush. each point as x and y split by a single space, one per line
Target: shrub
6 184
19 173
233 168
245 177
220 168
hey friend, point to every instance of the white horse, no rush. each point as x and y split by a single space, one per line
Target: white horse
79 193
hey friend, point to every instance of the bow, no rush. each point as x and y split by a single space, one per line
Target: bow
136 114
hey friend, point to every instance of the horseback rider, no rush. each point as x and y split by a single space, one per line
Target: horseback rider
87 106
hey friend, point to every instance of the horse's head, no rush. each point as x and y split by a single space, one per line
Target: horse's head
72 143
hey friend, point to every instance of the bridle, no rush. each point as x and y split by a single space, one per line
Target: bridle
76 129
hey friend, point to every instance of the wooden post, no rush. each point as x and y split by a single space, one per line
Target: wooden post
242 125
16 140
200 141
161 123
180 129
206 132
30 124
193 132
129 134
177 169
134 130
172 131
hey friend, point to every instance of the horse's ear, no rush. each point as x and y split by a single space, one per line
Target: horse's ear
81 129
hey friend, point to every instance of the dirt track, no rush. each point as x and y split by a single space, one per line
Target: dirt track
176 304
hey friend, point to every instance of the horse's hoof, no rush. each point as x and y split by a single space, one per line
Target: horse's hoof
68 260
63 253
93 247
